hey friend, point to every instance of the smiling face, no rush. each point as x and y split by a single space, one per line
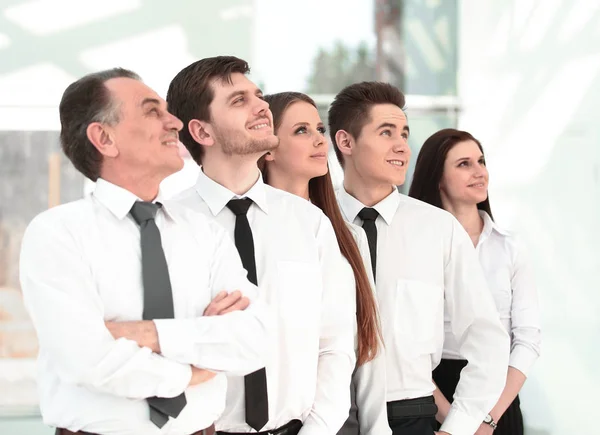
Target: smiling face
465 177
303 147
241 122
381 153
146 135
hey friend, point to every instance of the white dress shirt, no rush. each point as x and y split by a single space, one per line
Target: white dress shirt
304 278
81 266
369 380
426 266
511 280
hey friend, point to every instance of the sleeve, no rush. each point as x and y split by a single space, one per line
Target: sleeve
234 343
61 297
525 313
336 345
482 339
370 381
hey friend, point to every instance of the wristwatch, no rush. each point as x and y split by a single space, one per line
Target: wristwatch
489 420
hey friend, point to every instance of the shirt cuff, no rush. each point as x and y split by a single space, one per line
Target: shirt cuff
459 423
177 382
522 359
175 338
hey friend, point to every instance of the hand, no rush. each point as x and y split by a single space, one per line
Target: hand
441 433
225 303
200 375
484 429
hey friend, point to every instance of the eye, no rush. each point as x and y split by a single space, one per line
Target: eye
239 100
463 163
154 111
386 132
322 130
482 162
300 130
405 135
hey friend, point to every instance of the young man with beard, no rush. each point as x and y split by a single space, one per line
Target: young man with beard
425 269
288 247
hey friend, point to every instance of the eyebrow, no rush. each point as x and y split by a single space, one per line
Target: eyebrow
390 125
150 101
468 158
306 123
242 92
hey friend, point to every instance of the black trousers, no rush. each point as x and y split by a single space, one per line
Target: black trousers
447 375
421 422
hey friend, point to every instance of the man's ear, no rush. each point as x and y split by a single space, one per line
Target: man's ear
201 132
102 138
345 142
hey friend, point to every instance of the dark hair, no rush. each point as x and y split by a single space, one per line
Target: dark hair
351 108
190 94
85 101
320 190
429 168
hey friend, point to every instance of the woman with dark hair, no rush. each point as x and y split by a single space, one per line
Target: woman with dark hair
451 174
299 165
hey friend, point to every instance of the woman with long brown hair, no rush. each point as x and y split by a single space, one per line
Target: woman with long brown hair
299 165
451 174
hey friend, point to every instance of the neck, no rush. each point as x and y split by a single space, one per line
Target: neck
468 216
144 186
366 191
236 173
297 186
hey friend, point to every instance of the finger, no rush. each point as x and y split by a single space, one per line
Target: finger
215 308
212 309
240 305
228 301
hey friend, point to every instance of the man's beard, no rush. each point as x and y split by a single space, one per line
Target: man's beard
237 143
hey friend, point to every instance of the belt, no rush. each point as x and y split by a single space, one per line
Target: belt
291 428
412 408
208 431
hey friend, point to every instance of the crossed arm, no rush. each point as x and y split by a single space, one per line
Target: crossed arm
144 332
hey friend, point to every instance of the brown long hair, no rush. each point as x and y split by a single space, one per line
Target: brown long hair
430 167
320 190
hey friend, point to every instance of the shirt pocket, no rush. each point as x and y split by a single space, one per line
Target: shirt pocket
418 314
299 293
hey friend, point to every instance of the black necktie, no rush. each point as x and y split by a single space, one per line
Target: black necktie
255 384
158 296
368 216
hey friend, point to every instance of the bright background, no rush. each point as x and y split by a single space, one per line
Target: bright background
522 76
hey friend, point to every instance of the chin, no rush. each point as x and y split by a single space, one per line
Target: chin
398 180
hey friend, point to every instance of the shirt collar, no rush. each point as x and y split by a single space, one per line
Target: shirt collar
386 207
117 199
489 225
217 196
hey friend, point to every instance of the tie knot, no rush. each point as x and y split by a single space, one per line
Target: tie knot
368 214
239 206
144 211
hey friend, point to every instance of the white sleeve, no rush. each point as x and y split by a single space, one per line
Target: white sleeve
481 337
525 314
336 345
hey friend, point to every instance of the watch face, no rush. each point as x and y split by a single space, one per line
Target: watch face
487 419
